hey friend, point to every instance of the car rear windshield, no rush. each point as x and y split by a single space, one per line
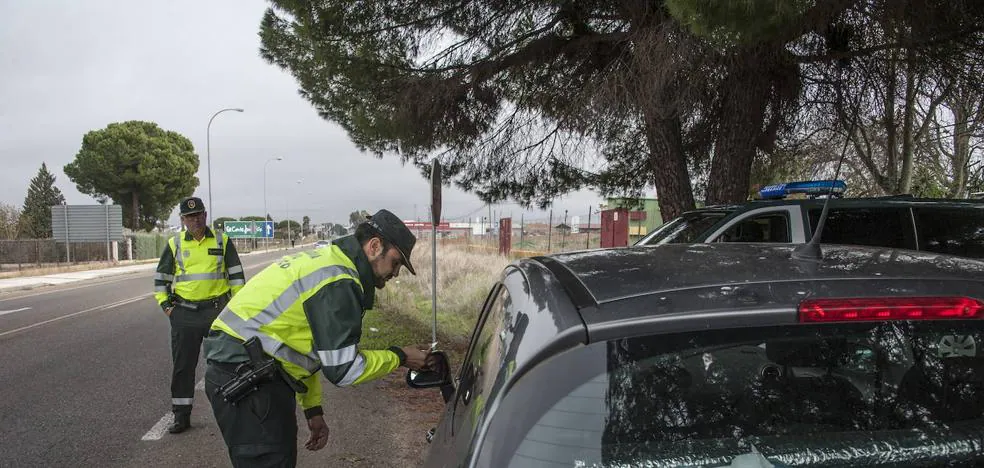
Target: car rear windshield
902 393
685 229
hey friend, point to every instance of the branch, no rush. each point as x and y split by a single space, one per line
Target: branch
816 18
891 45
426 19
933 104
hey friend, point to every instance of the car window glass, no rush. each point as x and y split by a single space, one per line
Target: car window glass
863 226
769 227
951 231
485 359
842 394
685 229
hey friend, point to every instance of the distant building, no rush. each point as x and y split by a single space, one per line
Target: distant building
644 214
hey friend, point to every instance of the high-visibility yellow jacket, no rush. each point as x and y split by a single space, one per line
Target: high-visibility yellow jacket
307 310
197 270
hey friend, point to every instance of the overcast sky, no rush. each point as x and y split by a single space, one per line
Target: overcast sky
69 67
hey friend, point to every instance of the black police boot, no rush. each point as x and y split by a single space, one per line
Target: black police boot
182 421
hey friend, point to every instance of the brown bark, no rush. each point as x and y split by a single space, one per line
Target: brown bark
746 96
908 124
669 166
891 148
961 151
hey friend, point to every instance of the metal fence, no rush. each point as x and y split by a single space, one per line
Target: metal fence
23 254
33 253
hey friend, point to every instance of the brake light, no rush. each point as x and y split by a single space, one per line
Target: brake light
889 308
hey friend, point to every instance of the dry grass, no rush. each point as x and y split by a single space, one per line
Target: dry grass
464 280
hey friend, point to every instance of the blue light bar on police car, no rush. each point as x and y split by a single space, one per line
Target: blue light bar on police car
810 187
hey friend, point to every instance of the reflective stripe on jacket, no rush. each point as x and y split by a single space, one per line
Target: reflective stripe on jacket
198 270
306 310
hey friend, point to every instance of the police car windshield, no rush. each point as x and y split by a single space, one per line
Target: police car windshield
685 229
859 394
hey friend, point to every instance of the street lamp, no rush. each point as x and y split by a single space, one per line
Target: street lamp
208 152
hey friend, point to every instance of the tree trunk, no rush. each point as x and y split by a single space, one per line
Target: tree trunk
669 166
961 149
746 96
135 199
908 122
891 150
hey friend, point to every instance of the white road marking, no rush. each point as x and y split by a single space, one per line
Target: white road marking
156 432
52 291
5 312
63 317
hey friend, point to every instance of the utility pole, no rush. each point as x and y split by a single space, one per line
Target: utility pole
549 230
563 242
587 231
522 231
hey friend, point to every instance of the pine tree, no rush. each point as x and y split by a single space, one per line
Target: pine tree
41 195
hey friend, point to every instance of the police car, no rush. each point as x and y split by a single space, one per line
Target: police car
947 226
721 355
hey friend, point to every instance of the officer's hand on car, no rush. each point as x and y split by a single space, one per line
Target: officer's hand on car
435 364
319 433
168 310
416 357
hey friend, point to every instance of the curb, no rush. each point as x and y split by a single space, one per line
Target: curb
41 283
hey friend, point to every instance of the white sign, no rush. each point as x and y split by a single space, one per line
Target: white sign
575 225
478 227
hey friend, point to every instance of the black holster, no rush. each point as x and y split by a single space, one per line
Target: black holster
257 371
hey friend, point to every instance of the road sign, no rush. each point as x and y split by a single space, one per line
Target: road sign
239 228
249 229
265 229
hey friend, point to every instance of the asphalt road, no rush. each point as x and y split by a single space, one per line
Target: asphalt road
84 381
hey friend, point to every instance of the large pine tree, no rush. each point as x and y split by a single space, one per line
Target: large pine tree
41 195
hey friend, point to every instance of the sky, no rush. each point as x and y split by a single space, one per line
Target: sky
69 67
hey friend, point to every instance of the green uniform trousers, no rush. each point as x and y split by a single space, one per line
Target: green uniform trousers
259 430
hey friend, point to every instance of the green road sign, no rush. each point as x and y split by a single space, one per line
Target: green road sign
239 228
249 229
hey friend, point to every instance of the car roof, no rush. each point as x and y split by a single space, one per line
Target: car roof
901 201
614 274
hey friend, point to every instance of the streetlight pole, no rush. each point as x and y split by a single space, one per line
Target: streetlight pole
208 153
265 212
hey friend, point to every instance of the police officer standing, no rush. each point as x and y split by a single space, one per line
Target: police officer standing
306 313
198 273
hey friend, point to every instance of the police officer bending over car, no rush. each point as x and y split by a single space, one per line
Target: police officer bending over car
297 317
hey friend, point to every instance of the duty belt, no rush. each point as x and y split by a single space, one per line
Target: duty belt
217 302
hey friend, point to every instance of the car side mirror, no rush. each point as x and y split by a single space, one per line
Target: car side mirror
438 376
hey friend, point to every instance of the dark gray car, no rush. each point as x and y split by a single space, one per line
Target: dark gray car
713 354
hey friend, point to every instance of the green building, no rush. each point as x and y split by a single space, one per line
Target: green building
638 227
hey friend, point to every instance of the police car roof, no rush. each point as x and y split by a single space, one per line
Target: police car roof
888 201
